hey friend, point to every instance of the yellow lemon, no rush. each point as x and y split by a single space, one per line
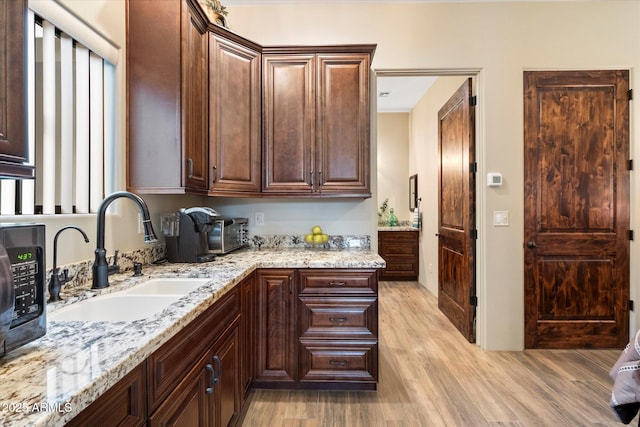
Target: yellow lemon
317 238
308 238
316 229
325 238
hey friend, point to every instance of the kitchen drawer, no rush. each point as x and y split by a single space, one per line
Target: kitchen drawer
336 317
398 236
338 282
340 361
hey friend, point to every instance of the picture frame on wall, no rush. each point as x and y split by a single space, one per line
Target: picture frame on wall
413 192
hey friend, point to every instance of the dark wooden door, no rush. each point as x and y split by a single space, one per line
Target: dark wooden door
456 211
195 101
276 347
343 124
13 143
576 209
226 361
234 117
289 107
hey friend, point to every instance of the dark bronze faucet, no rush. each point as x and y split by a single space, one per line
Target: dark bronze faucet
57 280
100 265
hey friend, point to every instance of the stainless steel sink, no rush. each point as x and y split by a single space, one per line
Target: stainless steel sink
139 302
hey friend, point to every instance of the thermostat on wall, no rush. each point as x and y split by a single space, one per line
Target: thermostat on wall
494 179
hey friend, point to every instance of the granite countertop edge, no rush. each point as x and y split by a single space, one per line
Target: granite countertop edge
49 381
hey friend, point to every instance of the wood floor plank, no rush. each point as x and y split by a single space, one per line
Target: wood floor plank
431 376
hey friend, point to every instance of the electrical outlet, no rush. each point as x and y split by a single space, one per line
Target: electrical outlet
259 218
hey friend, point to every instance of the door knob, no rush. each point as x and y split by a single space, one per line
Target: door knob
532 245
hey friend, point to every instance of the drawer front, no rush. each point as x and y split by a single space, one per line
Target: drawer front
349 361
398 236
337 282
327 317
398 249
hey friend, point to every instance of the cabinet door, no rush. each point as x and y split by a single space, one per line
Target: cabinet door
234 117
188 405
121 405
277 361
247 332
195 101
226 392
13 144
289 123
154 118
343 124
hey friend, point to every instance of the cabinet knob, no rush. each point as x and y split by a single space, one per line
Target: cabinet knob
337 319
532 245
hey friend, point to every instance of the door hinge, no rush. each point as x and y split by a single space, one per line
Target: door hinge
630 92
474 233
473 167
473 300
473 101
630 235
630 305
630 164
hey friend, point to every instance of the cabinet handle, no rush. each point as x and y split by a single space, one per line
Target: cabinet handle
337 319
215 174
337 284
190 163
319 179
212 373
311 178
334 362
218 376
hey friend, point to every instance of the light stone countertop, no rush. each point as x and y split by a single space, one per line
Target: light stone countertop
398 228
49 381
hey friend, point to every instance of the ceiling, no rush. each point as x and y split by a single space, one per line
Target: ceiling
401 93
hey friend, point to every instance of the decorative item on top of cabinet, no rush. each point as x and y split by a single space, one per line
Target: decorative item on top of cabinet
215 11
13 117
400 251
316 111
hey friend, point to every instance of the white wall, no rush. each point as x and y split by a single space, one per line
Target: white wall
423 158
501 39
393 162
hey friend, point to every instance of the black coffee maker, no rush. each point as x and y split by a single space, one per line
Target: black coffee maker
185 234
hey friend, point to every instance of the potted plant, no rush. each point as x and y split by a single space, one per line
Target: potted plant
216 11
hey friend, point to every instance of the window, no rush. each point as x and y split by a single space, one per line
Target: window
71 116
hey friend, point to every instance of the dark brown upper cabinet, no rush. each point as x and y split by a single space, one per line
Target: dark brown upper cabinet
234 117
316 113
204 117
13 118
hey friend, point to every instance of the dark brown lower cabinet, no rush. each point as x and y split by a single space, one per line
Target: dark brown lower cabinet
400 251
124 404
278 328
276 340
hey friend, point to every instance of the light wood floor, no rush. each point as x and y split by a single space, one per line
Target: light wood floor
430 376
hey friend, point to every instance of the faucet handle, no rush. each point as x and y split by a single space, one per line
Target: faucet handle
114 268
64 276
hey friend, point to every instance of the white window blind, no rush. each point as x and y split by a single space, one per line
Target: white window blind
71 120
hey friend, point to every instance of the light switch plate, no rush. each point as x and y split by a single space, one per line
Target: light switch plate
501 218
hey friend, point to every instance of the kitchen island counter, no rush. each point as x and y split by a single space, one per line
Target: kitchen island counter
49 381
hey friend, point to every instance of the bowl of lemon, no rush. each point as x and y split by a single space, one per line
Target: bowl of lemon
317 237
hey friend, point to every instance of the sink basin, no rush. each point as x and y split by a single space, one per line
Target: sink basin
139 302
166 286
